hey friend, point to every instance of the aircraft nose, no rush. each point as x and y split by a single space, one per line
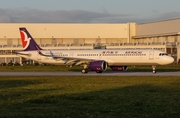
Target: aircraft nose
171 60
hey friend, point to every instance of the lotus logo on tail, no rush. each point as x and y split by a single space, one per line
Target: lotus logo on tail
28 42
25 39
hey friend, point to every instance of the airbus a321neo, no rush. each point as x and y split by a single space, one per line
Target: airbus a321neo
94 60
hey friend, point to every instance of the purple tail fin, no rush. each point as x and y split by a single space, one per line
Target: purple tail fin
28 42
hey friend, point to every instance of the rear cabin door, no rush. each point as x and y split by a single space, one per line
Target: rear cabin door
38 56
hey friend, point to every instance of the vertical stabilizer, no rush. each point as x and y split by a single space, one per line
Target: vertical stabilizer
28 42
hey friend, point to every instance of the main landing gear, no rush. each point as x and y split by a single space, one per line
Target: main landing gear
153 69
85 70
98 71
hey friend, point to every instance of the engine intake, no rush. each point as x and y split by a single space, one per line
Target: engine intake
119 68
98 66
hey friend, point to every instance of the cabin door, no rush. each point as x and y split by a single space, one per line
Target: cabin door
38 57
151 54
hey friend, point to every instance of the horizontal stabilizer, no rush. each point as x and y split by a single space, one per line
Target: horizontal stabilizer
22 53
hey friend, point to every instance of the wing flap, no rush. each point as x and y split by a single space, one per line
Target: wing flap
68 60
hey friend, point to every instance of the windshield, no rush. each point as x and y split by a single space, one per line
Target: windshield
163 54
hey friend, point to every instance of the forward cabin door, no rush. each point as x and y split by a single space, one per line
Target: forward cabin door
151 55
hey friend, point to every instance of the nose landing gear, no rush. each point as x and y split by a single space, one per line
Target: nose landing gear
153 69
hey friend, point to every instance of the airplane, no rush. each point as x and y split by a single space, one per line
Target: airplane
97 60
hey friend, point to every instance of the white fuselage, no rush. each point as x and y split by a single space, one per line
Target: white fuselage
122 57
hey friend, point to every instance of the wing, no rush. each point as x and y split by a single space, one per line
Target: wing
67 60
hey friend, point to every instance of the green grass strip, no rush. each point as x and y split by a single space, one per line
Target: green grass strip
95 97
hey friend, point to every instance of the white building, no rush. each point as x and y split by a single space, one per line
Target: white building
162 35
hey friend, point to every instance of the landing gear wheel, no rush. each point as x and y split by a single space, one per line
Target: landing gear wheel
98 71
154 69
84 71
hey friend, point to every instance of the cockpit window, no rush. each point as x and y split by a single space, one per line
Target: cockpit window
163 54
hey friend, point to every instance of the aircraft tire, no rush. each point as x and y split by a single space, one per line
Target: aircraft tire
84 71
154 72
98 71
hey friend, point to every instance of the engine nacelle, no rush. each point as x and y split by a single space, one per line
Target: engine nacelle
98 66
119 68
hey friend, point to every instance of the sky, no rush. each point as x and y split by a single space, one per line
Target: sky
88 11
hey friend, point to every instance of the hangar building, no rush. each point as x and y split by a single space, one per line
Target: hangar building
163 35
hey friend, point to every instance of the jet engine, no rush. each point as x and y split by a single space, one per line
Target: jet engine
119 68
98 66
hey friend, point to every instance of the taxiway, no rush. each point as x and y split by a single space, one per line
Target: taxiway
70 73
